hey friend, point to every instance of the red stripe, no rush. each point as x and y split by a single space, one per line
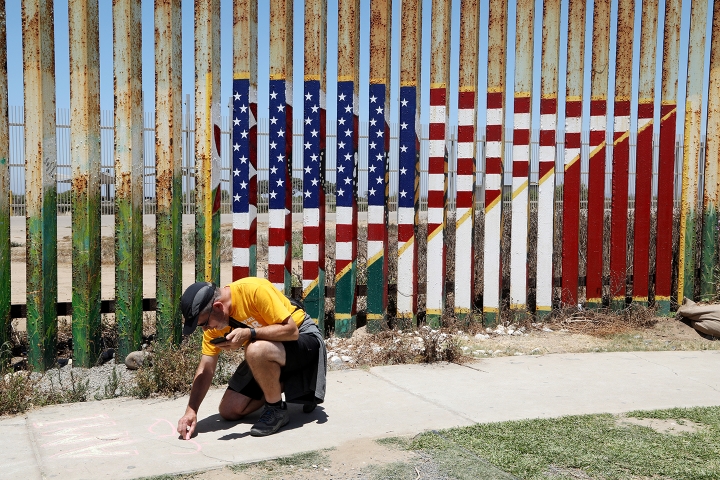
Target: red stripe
521 137
311 234
438 97
547 138
618 223
344 233
572 140
241 238
493 165
466 133
645 110
548 106
666 178
276 237
490 196
436 199
240 272
465 166
596 137
520 168
493 133
310 270
545 167
571 222
598 108
643 193
666 108
573 109
437 165
596 213
405 231
495 99
437 131
622 108
276 273
376 231
340 264
464 199
466 100
522 104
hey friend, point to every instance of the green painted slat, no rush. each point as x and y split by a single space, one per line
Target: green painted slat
5 297
345 317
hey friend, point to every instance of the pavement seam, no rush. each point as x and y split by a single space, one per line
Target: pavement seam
674 372
36 452
437 404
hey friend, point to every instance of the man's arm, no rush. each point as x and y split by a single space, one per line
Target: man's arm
277 332
201 385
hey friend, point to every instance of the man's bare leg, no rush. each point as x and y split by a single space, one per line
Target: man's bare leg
234 405
265 359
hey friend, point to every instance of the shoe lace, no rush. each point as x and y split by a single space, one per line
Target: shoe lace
268 415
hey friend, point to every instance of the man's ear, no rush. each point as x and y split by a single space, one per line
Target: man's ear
218 305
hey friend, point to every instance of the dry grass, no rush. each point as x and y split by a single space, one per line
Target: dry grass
603 322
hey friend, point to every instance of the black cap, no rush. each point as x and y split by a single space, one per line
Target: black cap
194 301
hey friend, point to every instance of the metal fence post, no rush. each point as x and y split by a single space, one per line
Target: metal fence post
5 194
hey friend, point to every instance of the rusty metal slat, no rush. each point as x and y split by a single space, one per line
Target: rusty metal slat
348 41
5 193
671 50
440 44
128 174
525 15
648 47
624 58
40 181
550 59
469 37
600 51
708 262
380 31
245 40
207 140
575 49
497 45
410 44
691 151
168 164
85 160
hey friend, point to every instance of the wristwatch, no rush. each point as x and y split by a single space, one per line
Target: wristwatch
253 334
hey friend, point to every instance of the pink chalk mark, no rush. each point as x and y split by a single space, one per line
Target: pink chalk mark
173 433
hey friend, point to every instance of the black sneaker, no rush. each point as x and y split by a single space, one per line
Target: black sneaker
272 419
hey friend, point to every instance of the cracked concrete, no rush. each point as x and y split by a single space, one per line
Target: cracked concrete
130 438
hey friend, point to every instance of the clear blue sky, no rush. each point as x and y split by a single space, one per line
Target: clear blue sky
106 75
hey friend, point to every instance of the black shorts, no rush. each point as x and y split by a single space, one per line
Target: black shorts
299 354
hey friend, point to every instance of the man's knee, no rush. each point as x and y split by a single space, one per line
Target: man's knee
262 350
229 410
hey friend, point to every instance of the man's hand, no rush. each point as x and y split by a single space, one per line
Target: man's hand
236 339
187 424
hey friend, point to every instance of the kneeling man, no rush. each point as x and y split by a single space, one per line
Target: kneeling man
284 352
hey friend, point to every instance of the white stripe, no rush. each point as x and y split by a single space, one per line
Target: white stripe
521 121
436 182
547 154
343 215
241 257
463 262
435 215
311 217
622 124
276 218
276 255
279 286
491 262
572 124
311 252
493 149
406 215
435 279
306 283
571 154
466 150
545 243
464 183
405 284
466 116
437 114
518 248
436 148
598 122
343 251
494 116
548 122
493 181
643 121
521 153
518 182
376 214
241 221
373 248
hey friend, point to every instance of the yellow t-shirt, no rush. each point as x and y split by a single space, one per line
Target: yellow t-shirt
256 303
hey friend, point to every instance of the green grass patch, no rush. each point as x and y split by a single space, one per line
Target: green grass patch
594 445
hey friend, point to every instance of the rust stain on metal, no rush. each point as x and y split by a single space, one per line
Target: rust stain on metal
440 44
380 34
469 36
623 57
525 17
600 50
576 48
315 28
410 35
348 39
550 47
278 39
671 48
648 42
245 39
497 44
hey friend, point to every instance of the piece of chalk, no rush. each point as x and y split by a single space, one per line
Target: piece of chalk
187 429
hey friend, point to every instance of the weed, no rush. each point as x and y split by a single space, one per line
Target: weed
604 322
76 391
280 467
16 392
114 386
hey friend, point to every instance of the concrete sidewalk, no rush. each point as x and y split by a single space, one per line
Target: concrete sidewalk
129 438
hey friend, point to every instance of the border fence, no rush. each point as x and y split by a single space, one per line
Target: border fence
554 193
